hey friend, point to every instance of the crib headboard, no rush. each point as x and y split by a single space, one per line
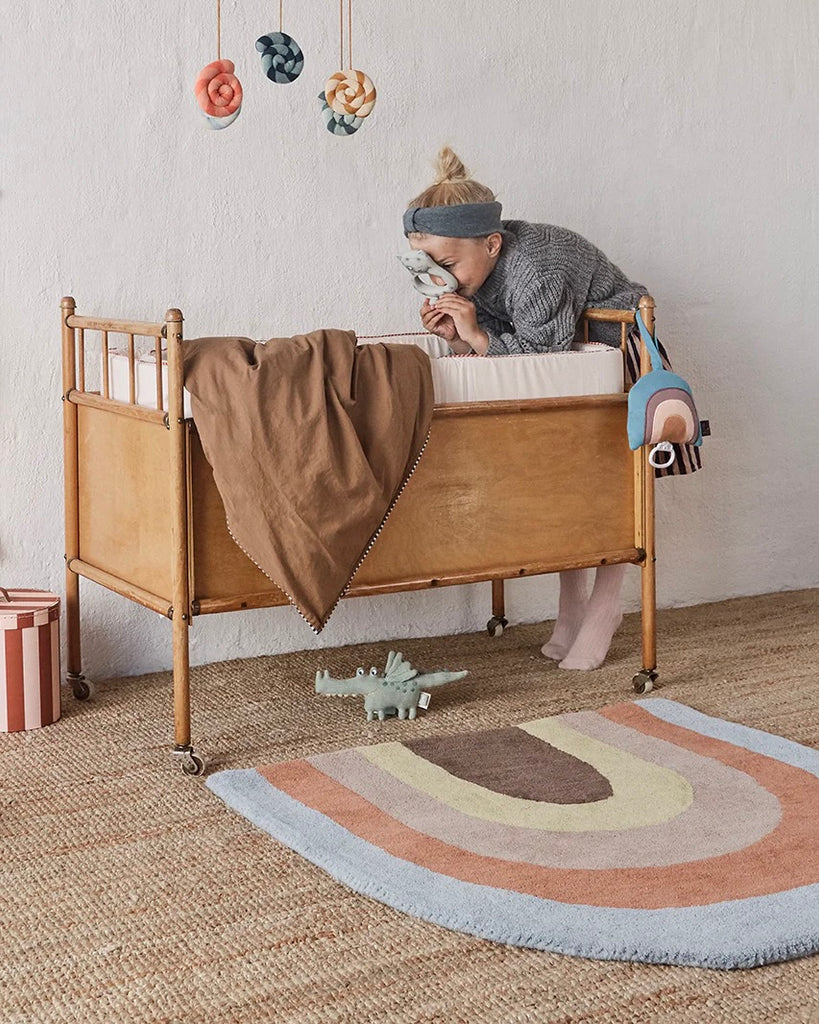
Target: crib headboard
87 382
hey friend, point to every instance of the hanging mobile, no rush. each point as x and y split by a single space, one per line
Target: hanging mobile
218 90
282 59
349 95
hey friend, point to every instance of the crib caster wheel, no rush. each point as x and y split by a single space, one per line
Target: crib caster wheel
80 686
193 765
189 761
496 625
644 681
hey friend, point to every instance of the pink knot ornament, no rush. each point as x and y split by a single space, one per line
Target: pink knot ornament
219 93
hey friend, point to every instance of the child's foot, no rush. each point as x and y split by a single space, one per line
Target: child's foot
603 616
571 612
563 635
592 643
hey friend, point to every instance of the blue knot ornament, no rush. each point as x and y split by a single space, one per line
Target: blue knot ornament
282 59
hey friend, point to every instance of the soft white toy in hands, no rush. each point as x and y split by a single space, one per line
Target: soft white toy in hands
421 265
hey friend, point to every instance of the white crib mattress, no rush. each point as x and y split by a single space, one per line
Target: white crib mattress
590 369
587 369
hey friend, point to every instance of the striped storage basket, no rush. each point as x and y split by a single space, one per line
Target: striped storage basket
29 659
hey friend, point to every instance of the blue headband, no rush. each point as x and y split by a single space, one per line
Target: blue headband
463 220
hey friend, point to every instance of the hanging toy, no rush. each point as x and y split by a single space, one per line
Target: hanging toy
350 92
219 93
282 59
349 95
218 90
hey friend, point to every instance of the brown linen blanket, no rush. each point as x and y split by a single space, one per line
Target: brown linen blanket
311 440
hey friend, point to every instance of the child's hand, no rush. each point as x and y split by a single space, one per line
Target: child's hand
438 322
461 313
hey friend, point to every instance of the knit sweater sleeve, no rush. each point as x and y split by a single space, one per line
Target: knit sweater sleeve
542 314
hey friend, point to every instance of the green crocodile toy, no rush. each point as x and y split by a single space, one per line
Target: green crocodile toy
397 691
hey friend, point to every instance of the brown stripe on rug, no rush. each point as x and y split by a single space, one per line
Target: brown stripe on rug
516 764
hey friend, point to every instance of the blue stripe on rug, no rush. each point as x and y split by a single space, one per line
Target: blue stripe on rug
760 742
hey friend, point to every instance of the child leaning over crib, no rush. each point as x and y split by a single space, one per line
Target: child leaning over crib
522 289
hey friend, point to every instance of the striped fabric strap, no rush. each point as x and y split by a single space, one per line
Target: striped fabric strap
650 343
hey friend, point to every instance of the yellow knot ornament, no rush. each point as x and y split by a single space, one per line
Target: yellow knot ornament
350 92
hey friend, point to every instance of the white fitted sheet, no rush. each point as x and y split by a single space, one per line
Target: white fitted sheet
591 369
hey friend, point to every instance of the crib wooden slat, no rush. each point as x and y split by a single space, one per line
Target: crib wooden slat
158 358
623 338
81 357
131 374
105 383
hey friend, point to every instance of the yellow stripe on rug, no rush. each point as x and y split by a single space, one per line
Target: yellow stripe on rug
643 793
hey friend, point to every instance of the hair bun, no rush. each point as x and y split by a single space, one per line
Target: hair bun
453 184
450 167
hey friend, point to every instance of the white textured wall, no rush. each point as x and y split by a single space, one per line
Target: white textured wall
680 136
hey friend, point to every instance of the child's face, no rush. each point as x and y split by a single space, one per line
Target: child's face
471 260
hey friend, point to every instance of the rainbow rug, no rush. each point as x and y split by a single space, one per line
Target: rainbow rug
643 831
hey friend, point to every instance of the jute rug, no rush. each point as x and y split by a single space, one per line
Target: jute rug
644 831
128 892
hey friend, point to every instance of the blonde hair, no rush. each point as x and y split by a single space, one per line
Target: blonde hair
453 185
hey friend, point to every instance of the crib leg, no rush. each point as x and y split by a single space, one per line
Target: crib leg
497 623
191 762
74 676
644 680
80 686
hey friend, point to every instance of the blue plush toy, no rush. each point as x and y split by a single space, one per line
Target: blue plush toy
661 410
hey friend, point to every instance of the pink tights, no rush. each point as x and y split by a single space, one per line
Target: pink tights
586 623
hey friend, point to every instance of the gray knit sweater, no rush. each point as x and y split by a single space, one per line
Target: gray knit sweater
544 278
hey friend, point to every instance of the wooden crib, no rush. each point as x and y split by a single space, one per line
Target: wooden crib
144 519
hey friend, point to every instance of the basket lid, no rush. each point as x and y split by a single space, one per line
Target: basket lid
21 608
